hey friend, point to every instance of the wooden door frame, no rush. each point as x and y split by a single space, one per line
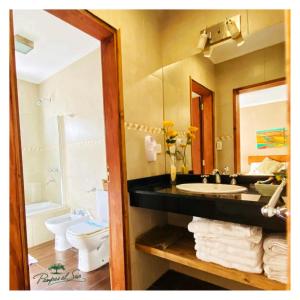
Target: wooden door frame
203 91
115 151
236 114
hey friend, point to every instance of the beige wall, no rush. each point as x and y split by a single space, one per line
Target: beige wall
260 117
143 103
180 32
177 90
255 67
32 142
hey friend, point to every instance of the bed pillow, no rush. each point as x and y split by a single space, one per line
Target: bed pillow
253 168
283 167
269 166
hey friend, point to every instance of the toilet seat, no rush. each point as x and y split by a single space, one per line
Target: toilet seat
88 229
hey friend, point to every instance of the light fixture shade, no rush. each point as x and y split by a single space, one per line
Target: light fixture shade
202 41
22 44
208 52
240 40
232 28
235 32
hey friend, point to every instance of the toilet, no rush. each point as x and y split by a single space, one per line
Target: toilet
91 237
58 226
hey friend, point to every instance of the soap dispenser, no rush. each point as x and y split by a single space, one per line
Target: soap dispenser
151 148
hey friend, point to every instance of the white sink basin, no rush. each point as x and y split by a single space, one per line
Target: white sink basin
211 188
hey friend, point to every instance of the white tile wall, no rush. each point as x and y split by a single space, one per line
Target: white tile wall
76 90
77 95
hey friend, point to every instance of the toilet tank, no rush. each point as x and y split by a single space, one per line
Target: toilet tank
102 213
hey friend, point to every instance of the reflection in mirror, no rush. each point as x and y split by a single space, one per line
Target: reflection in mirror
261 128
228 67
202 118
183 81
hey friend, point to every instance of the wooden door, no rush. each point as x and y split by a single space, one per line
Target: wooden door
202 116
207 134
196 144
18 260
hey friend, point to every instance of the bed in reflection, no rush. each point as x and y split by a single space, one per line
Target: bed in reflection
267 165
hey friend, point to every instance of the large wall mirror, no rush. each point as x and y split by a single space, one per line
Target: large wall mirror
235 93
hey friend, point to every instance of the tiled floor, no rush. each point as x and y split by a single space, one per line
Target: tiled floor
172 280
47 256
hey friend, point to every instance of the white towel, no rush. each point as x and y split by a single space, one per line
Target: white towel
278 269
220 228
253 253
243 244
276 257
278 260
233 265
276 244
275 274
281 278
232 258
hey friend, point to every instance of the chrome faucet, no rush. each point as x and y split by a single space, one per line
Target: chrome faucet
204 178
216 172
233 178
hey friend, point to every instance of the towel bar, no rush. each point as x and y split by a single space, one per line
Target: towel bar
269 210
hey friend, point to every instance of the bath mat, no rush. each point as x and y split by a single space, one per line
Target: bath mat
31 260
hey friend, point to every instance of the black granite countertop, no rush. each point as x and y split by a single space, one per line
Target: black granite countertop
158 194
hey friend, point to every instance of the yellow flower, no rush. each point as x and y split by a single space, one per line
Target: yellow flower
190 135
172 133
168 124
193 129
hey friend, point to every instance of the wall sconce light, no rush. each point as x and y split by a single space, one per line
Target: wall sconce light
207 51
202 40
228 29
234 31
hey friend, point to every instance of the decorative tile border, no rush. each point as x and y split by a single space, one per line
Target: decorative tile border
147 128
224 138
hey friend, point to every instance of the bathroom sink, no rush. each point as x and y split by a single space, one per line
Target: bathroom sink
211 188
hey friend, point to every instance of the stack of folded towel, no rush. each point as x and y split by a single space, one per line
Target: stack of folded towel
276 257
228 244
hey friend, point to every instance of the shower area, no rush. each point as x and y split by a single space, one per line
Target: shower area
42 152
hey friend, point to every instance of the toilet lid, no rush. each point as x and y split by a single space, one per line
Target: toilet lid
87 227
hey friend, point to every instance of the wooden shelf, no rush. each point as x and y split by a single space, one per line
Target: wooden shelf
182 252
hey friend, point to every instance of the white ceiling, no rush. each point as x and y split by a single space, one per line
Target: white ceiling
264 96
258 40
56 44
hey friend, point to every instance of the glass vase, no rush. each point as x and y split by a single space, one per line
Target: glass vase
173 169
